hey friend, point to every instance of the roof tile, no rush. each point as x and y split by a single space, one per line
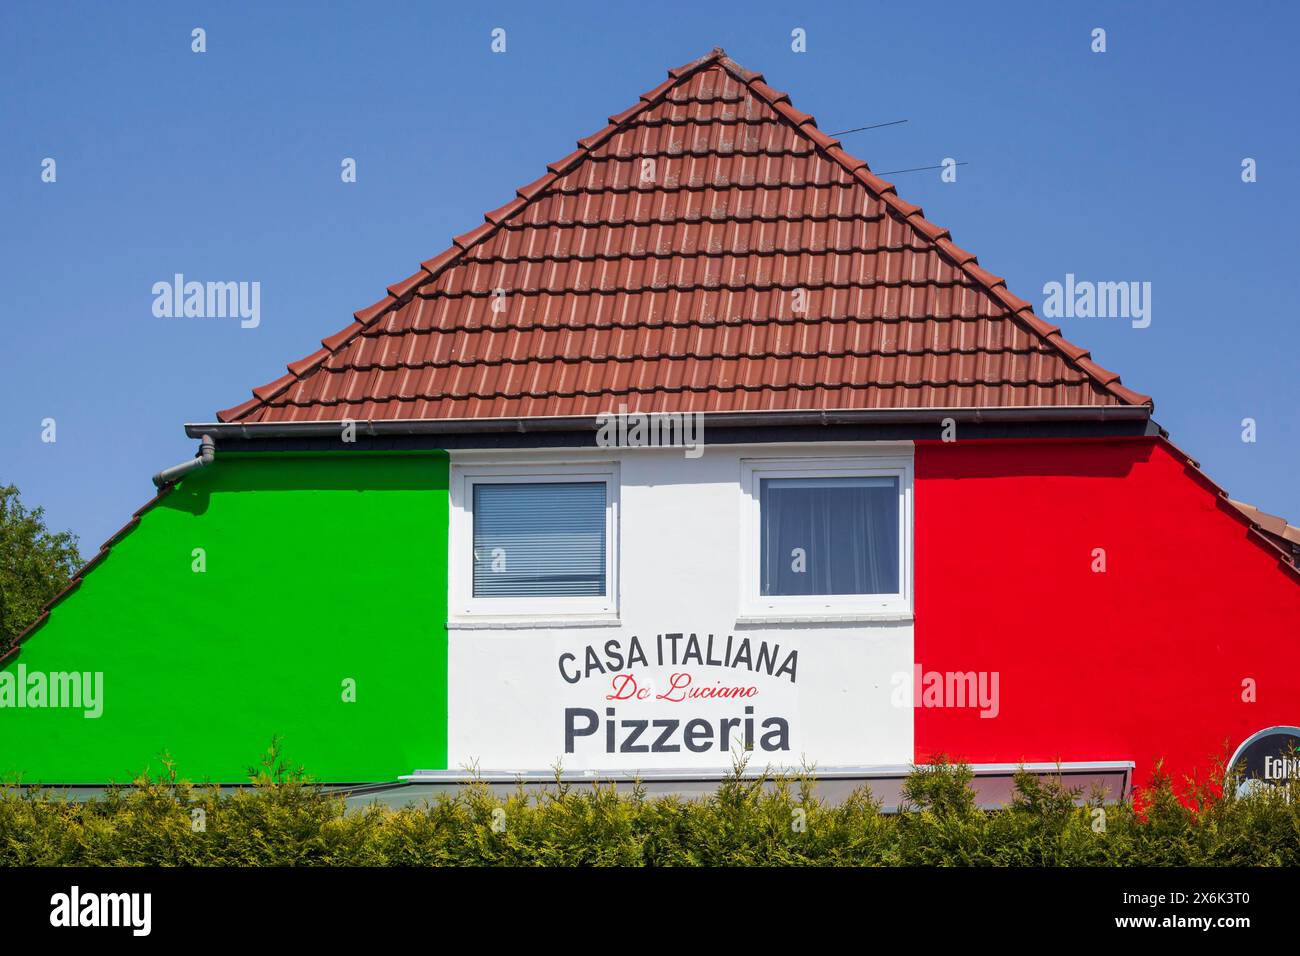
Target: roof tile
467 239
370 313
400 290
338 339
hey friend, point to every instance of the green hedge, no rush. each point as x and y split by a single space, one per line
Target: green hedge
284 820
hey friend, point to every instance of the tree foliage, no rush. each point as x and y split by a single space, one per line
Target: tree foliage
35 564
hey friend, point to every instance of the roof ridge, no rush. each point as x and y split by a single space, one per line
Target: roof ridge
401 292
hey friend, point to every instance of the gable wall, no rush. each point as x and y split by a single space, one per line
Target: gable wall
1146 660
317 570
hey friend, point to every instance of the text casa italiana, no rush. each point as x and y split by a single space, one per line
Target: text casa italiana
617 662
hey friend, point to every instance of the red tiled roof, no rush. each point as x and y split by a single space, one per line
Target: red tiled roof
679 293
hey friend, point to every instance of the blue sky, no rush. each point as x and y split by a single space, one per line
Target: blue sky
1118 166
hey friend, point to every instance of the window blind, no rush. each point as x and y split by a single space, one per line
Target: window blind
539 539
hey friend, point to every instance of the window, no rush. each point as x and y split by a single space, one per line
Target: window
827 537
539 539
533 541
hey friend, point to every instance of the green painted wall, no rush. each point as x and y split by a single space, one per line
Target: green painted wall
319 568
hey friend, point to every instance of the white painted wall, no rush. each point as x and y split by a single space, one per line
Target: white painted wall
680 560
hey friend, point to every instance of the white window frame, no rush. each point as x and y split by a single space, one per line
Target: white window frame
755 605
464 607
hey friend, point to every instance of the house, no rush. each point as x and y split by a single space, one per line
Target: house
706 443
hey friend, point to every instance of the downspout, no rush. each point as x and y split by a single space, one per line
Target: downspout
207 453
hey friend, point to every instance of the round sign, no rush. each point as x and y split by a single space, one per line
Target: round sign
1267 758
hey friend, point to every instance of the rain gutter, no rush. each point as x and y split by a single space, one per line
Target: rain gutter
580 423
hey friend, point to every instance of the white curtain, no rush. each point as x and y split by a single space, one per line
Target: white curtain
829 536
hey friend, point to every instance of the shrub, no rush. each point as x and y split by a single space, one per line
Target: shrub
284 819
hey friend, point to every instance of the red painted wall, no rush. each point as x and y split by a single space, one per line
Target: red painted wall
1143 661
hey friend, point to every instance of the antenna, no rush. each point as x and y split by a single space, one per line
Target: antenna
859 129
